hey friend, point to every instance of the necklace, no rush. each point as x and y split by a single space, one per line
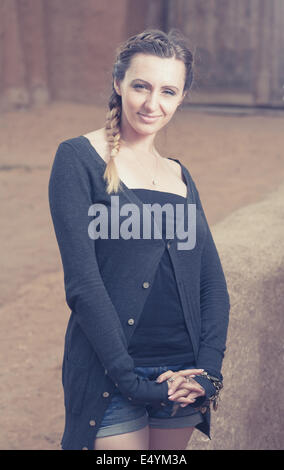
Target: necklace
154 178
154 181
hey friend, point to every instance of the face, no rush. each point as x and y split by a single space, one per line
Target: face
151 91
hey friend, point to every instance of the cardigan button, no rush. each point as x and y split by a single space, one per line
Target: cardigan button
163 404
92 422
203 409
146 285
105 394
129 398
130 321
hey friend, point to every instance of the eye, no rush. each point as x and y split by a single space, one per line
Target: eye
142 86
170 92
139 85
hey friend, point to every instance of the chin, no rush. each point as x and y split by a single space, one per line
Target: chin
149 128
147 131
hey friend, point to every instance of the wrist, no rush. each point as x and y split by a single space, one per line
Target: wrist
212 386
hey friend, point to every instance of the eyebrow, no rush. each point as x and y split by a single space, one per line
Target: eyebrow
144 81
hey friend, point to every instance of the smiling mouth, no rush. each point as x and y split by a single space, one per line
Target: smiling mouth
150 118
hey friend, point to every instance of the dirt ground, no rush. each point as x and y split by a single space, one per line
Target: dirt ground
235 159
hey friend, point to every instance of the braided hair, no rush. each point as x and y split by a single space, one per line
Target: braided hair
153 42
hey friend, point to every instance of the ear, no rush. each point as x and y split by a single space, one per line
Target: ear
116 87
182 98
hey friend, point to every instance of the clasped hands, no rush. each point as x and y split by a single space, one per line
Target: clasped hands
183 389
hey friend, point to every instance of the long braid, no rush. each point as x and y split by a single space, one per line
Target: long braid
112 127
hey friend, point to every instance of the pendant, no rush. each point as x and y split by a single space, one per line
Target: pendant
154 182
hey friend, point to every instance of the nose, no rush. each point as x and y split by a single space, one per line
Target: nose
152 103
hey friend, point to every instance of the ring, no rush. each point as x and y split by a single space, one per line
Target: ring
171 379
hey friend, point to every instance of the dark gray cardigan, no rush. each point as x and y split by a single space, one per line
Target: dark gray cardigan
106 284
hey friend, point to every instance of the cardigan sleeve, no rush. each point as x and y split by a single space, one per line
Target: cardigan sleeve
69 193
214 309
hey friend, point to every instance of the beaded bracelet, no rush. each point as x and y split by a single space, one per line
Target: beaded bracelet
218 386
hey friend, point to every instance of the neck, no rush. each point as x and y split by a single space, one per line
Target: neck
137 143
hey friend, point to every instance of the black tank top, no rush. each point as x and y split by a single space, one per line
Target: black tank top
161 336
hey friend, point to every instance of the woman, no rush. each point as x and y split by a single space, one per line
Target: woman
146 336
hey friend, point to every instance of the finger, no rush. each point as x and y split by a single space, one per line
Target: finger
180 382
190 399
195 386
164 376
186 400
186 372
178 394
182 392
182 405
174 386
187 390
170 374
190 372
190 387
193 395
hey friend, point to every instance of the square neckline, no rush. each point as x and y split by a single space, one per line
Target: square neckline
103 162
157 191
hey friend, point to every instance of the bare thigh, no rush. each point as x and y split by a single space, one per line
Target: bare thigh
136 440
169 439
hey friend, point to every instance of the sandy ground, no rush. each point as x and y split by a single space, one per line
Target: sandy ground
235 159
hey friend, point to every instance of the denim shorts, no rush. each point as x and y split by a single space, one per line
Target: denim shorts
122 417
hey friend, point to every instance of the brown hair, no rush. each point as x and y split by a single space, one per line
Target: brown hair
150 41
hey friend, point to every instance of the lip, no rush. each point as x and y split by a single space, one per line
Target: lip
147 118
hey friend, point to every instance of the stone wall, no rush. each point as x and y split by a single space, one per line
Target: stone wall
250 244
238 49
64 50
58 50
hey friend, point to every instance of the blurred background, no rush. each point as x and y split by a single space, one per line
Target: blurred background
63 50
56 60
